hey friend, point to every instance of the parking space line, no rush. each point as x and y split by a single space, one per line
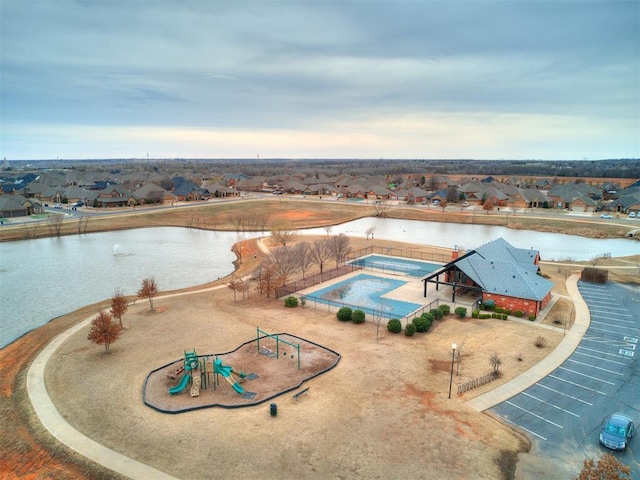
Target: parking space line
550 404
523 428
632 323
588 376
596 367
610 311
533 414
601 359
565 394
612 325
577 384
604 330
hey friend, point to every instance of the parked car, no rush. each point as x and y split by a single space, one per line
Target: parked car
57 205
617 430
436 202
465 204
632 214
606 215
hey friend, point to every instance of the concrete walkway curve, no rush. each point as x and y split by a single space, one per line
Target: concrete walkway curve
543 368
69 436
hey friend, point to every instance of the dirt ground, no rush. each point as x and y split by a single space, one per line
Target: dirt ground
383 412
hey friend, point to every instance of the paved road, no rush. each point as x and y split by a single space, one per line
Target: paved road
562 412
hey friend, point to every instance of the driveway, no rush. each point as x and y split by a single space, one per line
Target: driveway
562 412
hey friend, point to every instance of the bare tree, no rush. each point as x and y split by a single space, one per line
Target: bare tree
148 290
340 248
321 253
452 194
283 234
54 222
382 209
82 224
495 362
443 204
103 331
458 352
119 305
285 264
302 253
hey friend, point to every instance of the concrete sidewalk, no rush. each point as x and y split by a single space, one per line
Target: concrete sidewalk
550 363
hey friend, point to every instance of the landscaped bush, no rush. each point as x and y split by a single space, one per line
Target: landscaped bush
499 310
422 323
291 302
445 309
495 315
344 314
358 316
518 313
532 317
484 316
394 325
505 316
461 312
410 329
507 311
437 313
475 313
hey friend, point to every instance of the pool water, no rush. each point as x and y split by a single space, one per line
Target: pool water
365 292
413 268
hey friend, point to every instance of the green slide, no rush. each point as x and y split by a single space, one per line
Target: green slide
181 386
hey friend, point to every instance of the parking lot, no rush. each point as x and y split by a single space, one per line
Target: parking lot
563 412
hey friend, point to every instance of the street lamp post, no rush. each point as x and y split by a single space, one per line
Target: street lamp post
453 356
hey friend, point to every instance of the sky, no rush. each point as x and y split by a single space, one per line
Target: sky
477 79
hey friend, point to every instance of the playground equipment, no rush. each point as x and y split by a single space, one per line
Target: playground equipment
226 371
277 338
191 363
194 370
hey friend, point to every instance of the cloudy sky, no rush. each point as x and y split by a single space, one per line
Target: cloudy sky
512 79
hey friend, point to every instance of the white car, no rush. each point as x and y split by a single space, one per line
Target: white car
632 214
606 215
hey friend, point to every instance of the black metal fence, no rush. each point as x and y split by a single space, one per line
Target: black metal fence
477 382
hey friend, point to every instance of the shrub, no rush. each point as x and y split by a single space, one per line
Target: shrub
539 341
532 317
291 302
475 313
518 313
358 316
445 309
495 315
461 312
430 318
420 323
344 314
505 316
437 313
410 329
394 325
499 310
484 316
507 311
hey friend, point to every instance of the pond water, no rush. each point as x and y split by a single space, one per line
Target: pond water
44 278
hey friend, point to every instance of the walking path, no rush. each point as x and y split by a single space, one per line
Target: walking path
65 433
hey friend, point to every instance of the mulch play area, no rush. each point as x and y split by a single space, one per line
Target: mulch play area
257 371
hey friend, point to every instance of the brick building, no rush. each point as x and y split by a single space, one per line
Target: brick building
498 271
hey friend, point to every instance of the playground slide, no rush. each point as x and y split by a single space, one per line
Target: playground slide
233 383
181 386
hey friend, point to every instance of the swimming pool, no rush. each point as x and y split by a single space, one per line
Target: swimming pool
365 292
413 268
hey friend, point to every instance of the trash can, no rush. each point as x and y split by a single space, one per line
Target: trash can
274 409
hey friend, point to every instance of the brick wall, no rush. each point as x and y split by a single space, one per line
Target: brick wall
528 307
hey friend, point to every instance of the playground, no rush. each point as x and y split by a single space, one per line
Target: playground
258 370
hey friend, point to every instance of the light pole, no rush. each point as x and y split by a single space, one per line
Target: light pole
453 356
